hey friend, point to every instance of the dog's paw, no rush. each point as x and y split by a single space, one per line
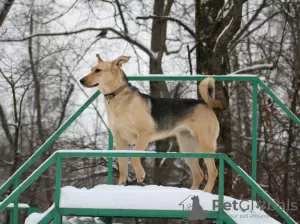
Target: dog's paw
123 182
141 177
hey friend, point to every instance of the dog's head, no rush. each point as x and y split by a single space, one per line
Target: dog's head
106 74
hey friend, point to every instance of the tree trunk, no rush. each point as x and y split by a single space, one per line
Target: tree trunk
5 9
159 89
212 58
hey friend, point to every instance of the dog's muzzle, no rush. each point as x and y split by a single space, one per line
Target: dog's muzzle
83 83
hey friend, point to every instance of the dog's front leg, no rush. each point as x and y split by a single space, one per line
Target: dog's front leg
141 144
123 162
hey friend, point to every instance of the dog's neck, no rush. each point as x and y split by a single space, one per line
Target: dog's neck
113 94
117 89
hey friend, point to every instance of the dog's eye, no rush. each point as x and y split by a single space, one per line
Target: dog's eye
97 70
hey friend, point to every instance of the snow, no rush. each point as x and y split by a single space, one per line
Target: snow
34 218
255 67
20 205
145 198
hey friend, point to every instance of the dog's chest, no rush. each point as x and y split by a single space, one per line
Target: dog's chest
123 122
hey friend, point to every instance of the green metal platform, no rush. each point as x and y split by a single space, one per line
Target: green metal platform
220 216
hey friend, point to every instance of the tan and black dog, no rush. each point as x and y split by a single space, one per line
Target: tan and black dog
137 118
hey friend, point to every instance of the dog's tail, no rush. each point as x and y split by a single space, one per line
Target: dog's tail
207 92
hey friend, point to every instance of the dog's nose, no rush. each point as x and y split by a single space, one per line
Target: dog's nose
81 81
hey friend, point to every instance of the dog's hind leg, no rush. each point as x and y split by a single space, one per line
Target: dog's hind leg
207 144
123 162
212 174
205 128
187 143
141 144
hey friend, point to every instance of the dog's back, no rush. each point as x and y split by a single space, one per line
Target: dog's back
169 112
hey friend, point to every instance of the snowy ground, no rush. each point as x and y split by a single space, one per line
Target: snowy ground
153 198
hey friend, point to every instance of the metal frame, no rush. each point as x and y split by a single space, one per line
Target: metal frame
57 212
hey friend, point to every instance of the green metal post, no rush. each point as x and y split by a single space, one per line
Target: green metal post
109 220
14 214
110 160
254 136
221 191
58 181
58 171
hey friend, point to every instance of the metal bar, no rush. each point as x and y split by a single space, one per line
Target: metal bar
228 219
110 160
27 182
278 101
15 212
48 218
247 78
127 153
221 192
58 178
254 136
131 213
46 145
260 191
57 216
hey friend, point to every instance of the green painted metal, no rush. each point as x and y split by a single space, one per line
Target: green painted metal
221 191
25 184
278 101
48 218
254 135
14 214
110 160
57 216
260 191
131 213
32 210
227 219
240 78
46 145
58 178
135 154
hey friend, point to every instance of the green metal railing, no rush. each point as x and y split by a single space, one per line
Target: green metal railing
57 212
14 179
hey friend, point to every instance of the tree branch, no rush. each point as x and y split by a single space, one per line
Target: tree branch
252 19
174 51
254 68
119 34
122 17
168 18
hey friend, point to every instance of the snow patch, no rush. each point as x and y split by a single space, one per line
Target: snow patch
34 218
254 67
20 205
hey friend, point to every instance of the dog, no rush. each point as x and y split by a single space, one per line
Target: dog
137 118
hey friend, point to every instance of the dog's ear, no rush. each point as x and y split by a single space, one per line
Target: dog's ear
99 58
121 60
